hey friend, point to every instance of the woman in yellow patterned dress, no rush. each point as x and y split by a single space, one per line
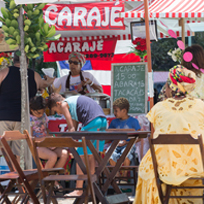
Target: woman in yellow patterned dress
176 163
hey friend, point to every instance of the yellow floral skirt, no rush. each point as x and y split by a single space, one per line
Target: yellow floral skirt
174 167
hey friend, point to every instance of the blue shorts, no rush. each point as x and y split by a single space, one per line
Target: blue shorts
97 124
119 150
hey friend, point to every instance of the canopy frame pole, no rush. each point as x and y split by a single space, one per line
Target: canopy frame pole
149 61
182 24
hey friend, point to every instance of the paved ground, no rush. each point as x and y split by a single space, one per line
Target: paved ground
60 201
69 200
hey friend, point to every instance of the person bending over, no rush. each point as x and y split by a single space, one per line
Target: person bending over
85 110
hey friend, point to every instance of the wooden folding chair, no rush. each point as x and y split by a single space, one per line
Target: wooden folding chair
174 139
49 180
25 180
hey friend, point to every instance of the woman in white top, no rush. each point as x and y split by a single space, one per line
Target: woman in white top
77 80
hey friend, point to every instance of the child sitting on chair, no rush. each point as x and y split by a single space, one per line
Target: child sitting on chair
39 124
123 121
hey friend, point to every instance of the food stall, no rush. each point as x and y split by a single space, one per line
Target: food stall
86 28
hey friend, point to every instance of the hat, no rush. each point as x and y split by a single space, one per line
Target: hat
79 56
181 80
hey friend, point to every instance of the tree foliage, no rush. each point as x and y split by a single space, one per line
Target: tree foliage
163 62
160 60
36 32
38 64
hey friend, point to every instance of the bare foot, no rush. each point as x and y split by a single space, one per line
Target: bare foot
57 186
75 193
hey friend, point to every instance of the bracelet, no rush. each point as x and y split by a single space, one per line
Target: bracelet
91 84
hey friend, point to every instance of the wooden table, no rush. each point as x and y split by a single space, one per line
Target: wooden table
116 137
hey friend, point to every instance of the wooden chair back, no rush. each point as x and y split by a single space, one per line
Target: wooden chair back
172 139
11 159
17 135
51 142
63 142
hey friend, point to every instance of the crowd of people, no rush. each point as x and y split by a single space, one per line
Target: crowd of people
180 110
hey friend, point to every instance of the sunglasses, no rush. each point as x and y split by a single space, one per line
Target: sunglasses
74 62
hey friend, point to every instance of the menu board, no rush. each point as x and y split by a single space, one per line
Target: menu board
129 80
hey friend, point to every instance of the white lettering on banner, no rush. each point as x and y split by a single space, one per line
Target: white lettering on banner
115 15
100 45
62 127
107 16
91 17
68 48
75 46
65 14
85 47
59 47
52 48
79 15
47 11
93 47
84 18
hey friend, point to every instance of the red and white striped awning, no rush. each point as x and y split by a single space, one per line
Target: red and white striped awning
119 37
73 1
169 9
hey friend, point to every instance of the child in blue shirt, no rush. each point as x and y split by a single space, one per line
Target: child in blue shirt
123 121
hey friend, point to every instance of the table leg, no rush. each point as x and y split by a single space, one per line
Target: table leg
118 165
98 192
102 167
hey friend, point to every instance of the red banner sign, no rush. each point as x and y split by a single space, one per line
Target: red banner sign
87 16
101 49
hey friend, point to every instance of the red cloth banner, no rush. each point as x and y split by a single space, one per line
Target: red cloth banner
101 49
86 16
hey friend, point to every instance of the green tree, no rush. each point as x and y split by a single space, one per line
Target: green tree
38 64
37 33
161 61
198 38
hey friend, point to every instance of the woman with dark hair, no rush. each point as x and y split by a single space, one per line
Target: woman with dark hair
198 59
77 80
